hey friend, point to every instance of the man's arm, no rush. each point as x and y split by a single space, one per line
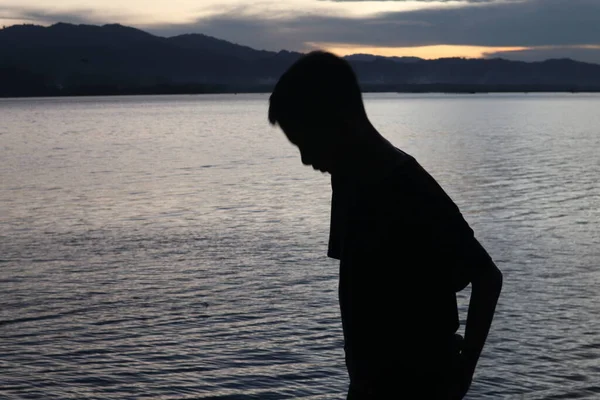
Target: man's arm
486 285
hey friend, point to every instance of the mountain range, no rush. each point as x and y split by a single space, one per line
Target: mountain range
78 59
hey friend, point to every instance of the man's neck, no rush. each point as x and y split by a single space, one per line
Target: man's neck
370 155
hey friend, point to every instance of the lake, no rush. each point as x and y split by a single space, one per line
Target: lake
173 247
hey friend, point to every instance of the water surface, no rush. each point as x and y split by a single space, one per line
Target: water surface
174 247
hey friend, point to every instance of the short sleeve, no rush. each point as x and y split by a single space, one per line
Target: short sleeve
450 242
456 248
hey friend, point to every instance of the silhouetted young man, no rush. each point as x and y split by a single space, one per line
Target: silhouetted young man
403 245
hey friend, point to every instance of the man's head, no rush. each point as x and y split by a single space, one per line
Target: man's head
315 103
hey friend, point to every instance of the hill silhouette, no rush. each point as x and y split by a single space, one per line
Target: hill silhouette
67 59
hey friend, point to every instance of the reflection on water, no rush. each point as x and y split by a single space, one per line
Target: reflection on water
174 247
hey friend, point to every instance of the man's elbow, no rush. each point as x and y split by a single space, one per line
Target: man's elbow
489 279
496 279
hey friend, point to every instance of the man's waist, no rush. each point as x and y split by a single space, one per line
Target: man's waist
424 353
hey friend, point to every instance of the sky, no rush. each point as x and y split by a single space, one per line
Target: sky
528 30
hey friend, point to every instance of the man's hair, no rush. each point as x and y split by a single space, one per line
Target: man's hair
317 90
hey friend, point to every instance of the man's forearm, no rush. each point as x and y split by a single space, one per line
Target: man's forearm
482 305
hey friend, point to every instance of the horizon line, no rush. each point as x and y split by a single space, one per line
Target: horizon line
337 49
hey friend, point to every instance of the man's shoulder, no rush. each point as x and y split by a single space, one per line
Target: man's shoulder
403 179
413 180
411 198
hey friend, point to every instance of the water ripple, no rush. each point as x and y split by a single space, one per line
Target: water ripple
139 261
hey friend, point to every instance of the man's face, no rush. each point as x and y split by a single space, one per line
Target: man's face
317 148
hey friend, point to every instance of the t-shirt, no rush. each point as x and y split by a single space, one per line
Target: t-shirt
404 251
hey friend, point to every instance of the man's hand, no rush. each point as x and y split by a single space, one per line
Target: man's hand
462 376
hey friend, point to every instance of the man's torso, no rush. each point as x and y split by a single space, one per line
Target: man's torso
397 286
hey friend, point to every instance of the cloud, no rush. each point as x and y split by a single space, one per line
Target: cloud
421 1
73 16
549 28
500 24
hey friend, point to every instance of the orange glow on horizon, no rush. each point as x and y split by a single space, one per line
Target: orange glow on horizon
426 52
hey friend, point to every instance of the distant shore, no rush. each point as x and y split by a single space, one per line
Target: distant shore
172 89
